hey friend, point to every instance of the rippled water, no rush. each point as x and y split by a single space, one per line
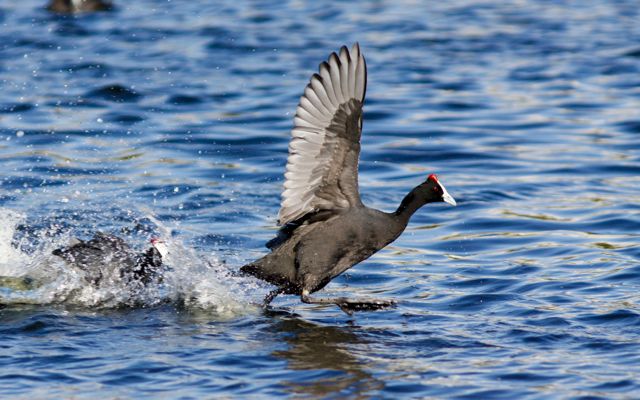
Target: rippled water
171 118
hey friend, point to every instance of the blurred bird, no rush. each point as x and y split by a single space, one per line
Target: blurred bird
78 6
110 257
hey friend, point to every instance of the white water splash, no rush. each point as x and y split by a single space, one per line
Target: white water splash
190 279
10 257
29 278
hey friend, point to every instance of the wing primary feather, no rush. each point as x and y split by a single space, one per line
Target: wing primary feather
363 66
312 96
306 104
335 64
307 116
344 73
319 90
327 83
353 65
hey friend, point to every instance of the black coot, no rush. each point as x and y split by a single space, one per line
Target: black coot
78 6
110 256
325 227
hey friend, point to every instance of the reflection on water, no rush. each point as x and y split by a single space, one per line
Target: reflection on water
324 354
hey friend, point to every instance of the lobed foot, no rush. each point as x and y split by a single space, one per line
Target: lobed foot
349 306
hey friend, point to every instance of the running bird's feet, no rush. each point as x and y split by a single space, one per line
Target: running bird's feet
349 306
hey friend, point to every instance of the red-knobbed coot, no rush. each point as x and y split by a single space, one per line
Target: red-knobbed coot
108 255
325 227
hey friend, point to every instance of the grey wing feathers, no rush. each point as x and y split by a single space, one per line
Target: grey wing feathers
322 168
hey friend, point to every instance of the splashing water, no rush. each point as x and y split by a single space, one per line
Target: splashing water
189 279
9 256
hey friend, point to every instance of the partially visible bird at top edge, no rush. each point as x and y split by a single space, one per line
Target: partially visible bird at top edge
325 227
78 6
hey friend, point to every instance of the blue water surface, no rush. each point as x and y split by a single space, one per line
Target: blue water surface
172 118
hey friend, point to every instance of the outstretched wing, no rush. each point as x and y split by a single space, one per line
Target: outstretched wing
322 168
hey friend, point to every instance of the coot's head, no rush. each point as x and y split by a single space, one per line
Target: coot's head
152 258
148 264
434 191
160 246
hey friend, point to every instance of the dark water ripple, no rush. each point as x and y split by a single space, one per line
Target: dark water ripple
180 111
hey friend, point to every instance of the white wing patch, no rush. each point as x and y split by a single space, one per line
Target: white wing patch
322 166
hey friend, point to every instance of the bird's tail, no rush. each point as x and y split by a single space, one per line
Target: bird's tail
250 269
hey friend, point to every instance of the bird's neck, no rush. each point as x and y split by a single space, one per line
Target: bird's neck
409 205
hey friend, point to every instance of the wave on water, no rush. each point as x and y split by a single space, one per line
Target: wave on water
189 279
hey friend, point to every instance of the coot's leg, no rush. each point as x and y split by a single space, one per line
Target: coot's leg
349 305
272 295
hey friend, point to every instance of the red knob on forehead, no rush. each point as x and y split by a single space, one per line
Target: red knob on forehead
433 178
